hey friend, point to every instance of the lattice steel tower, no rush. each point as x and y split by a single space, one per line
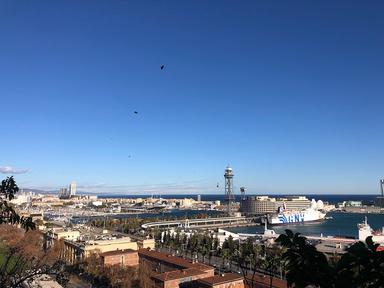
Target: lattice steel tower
229 196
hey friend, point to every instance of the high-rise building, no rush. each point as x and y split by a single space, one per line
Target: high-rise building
72 189
63 194
66 193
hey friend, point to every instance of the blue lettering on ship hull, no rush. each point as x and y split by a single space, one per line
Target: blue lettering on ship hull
291 218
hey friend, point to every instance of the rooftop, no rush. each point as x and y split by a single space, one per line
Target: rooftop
262 281
221 279
92 236
177 261
117 252
177 274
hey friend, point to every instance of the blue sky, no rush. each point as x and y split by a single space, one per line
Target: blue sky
289 93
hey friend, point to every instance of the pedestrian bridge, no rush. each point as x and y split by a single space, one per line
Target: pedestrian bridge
198 223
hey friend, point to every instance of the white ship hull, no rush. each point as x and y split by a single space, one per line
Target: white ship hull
292 217
365 231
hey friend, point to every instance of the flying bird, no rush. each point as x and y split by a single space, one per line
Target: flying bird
162 67
136 112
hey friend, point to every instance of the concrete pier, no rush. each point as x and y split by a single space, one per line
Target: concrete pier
200 223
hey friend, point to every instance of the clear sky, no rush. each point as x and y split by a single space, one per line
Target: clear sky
289 93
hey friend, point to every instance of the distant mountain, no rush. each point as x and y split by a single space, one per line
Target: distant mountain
39 191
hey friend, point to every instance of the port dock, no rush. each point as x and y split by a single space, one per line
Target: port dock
201 223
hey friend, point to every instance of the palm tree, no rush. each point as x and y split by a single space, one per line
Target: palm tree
361 266
203 252
305 265
271 263
193 244
225 255
205 246
216 244
249 261
210 242
231 249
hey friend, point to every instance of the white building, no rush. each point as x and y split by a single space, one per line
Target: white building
97 203
222 235
72 189
41 281
22 198
186 202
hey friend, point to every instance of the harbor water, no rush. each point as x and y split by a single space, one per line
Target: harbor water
337 224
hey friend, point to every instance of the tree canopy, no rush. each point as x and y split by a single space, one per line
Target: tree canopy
8 215
361 266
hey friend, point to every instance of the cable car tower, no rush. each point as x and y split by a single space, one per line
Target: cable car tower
229 196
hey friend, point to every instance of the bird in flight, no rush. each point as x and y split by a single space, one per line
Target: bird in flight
162 67
136 112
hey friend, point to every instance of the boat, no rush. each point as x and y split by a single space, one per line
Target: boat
365 231
292 217
269 233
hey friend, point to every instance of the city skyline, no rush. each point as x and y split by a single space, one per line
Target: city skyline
288 94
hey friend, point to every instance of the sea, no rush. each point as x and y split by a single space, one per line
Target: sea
336 224
330 198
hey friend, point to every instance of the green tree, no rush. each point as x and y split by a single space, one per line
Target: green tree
205 246
361 266
210 242
232 246
8 215
22 257
224 254
305 265
271 263
216 245
249 260
194 244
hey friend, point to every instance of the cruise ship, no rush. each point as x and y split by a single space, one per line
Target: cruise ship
313 213
291 217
